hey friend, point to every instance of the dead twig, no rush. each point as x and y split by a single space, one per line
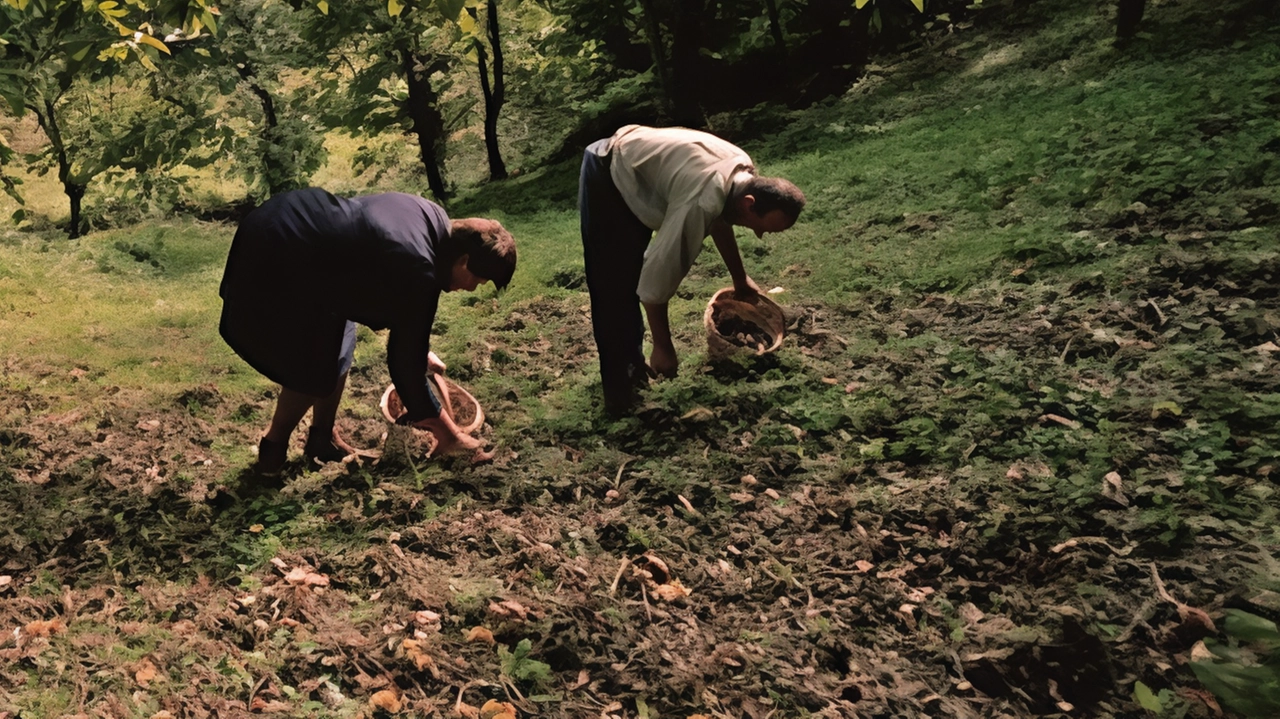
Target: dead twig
1187 613
626 562
1077 541
1152 304
645 596
258 687
617 478
1065 422
457 706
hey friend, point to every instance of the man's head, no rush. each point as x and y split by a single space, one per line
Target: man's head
765 204
482 251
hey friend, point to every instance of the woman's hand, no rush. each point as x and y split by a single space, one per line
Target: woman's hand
450 440
434 365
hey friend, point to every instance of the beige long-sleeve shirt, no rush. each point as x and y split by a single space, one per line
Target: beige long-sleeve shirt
676 181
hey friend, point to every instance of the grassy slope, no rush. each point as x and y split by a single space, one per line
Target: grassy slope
1014 225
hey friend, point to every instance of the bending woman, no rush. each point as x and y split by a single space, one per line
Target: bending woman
307 265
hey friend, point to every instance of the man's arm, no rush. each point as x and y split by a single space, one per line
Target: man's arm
744 288
663 360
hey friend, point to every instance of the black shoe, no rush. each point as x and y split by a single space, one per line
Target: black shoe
271 457
619 401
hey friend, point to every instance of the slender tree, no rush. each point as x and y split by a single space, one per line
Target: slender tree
260 45
390 53
52 46
423 109
495 92
1128 15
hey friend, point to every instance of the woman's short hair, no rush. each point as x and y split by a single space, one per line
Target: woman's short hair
775 193
490 249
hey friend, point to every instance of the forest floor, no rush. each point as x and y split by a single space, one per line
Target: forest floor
1043 485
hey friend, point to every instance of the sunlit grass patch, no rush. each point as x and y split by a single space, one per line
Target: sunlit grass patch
131 308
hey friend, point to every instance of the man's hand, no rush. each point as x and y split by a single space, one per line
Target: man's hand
663 360
434 365
746 291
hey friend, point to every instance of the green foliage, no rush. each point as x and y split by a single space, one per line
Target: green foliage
1245 671
518 666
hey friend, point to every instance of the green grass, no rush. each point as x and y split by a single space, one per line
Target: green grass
132 308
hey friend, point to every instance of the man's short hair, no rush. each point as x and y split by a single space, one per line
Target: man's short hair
490 249
774 193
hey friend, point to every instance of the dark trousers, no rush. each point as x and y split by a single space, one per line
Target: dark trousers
613 245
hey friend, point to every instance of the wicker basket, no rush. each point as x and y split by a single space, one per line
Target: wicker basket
461 406
755 328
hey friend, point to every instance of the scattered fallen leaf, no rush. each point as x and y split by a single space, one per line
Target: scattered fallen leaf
148 425
42 628
1112 488
414 652
515 608
256 528
864 566
494 709
657 569
386 700
274 706
145 673
480 634
698 414
301 577
670 591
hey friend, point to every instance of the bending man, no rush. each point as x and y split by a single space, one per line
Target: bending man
306 266
684 185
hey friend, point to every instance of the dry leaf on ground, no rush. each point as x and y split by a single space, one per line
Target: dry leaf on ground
670 591
301 577
494 709
145 673
386 700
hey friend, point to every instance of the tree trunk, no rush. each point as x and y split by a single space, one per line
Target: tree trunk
686 75
428 123
74 192
1128 15
47 119
653 35
494 96
268 105
276 182
775 24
